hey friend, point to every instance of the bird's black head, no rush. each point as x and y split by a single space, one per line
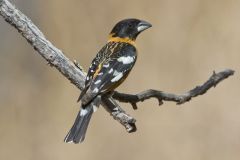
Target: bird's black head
129 28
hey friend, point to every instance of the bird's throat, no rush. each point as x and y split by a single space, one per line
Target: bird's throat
123 40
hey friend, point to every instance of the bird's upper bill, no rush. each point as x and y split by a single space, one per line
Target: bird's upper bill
143 25
129 28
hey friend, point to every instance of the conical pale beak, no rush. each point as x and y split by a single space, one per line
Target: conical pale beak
143 25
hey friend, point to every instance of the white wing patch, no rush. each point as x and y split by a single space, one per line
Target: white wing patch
117 77
106 65
98 81
101 73
111 70
95 90
115 73
126 60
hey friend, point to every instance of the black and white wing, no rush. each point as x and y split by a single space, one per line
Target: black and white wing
112 72
93 69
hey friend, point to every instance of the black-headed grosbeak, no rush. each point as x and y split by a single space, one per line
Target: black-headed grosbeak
108 70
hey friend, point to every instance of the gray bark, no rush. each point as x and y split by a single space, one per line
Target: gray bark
178 98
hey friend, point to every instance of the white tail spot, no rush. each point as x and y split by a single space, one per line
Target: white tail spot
83 112
95 108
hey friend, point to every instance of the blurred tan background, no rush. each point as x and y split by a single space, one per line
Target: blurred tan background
189 39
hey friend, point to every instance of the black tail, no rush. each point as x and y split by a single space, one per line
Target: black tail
79 128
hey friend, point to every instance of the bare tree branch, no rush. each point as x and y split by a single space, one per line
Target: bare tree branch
119 114
76 75
50 53
179 99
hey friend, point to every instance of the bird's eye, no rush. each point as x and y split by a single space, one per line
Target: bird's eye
130 26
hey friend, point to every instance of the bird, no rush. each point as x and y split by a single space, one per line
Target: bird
108 70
